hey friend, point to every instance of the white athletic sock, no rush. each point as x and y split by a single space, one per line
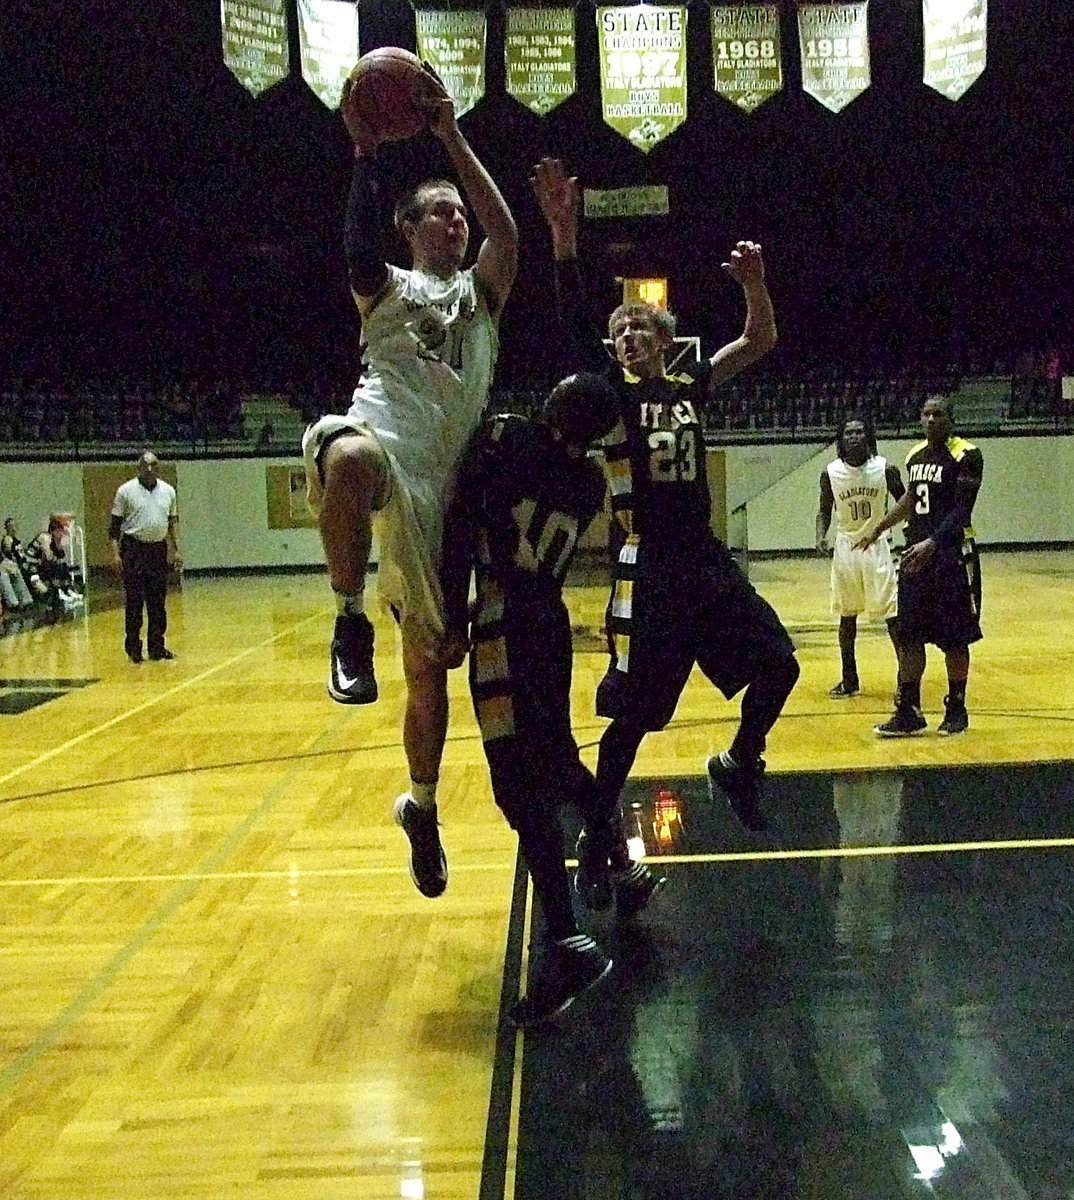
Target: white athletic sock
424 794
350 603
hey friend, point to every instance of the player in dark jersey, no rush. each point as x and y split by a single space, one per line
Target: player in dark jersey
525 493
678 598
939 573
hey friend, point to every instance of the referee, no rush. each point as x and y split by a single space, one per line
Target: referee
144 521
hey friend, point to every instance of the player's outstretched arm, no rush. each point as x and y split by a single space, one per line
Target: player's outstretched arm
497 259
746 267
896 516
558 197
896 488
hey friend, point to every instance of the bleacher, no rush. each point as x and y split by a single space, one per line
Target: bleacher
117 420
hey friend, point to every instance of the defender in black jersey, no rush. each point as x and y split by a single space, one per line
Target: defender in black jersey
939 573
678 598
525 493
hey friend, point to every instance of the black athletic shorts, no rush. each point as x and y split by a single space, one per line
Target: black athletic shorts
942 604
684 605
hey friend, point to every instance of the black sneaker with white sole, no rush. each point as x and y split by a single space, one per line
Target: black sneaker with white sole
428 863
844 689
350 673
634 887
955 720
559 976
906 721
592 879
741 787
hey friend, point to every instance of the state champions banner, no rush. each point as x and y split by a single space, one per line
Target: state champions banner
956 33
834 41
747 55
643 71
254 36
328 40
540 56
453 43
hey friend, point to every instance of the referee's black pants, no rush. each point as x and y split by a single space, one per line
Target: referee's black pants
145 583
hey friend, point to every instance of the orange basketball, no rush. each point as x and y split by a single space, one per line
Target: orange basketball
384 98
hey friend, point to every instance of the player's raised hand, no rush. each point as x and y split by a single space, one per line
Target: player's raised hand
746 263
439 104
557 193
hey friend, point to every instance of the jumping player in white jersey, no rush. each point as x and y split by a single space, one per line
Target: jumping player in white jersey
430 342
855 487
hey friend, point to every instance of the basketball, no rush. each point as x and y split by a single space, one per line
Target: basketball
385 97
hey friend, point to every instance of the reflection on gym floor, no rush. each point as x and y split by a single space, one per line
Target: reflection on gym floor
875 1001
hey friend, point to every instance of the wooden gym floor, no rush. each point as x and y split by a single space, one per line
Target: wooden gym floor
217 976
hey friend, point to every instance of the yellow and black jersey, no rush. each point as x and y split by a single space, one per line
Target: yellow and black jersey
655 456
521 502
944 481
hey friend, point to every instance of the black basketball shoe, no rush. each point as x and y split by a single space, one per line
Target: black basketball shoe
350 674
634 888
428 863
844 689
956 719
592 879
741 786
906 721
559 976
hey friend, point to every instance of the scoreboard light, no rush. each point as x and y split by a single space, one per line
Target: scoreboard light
646 291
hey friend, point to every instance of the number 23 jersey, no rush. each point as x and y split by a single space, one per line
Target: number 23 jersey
654 459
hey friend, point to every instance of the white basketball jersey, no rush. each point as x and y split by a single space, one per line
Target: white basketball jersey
431 348
860 493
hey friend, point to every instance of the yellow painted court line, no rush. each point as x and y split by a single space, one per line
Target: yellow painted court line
148 704
508 863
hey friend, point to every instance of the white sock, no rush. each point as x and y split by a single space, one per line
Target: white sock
424 793
350 603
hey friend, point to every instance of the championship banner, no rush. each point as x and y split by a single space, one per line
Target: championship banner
539 56
254 34
454 44
747 56
956 33
643 71
834 41
328 40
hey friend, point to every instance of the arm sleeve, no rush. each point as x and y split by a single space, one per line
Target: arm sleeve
367 268
575 319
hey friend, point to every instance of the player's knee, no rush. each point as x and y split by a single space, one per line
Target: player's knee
352 466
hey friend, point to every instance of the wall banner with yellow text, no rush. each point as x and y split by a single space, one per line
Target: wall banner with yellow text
643 71
328 40
254 35
956 37
746 54
454 44
539 56
834 40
